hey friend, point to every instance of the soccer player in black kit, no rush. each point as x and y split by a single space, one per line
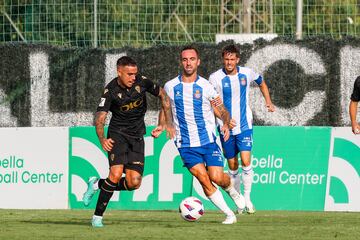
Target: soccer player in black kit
125 97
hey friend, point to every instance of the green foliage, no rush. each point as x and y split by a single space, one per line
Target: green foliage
147 22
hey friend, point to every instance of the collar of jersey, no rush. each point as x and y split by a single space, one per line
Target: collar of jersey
180 79
238 70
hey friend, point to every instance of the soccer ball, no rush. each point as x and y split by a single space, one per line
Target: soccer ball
191 209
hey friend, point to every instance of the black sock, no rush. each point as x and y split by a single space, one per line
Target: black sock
106 192
122 186
100 182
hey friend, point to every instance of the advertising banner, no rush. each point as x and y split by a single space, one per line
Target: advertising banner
296 168
290 164
343 183
165 182
33 168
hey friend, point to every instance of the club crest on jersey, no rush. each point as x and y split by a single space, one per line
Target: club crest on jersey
137 88
243 81
120 95
197 94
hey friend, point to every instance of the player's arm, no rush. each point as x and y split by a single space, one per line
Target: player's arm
265 92
353 111
165 117
221 112
232 122
100 118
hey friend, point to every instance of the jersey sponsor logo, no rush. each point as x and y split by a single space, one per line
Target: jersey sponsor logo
226 85
102 102
132 105
197 94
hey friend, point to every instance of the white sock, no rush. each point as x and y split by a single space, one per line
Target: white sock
235 177
218 200
235 196
247 179
96 216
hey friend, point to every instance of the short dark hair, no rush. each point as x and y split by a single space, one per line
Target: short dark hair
232 48
190 47
125 61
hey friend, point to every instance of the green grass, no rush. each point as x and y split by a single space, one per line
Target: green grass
75 224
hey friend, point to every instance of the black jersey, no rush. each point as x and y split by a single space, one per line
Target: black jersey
355 96
128 106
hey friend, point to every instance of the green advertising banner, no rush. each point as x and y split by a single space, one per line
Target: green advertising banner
290 166
165 182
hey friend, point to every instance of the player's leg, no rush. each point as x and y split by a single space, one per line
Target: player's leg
233 171
230 152
106 191
193 160
199 171
117 157
247 179
223 180
245 146
134 168
131 181
214 163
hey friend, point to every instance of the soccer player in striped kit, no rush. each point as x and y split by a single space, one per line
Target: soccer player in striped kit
192 100
232 82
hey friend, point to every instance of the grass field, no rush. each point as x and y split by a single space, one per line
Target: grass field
74 224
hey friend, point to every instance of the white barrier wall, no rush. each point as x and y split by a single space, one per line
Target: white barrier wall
34 168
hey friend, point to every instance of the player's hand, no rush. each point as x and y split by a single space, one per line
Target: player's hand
170 131
225 132
107 144
232 123
270 107
157 131
356 129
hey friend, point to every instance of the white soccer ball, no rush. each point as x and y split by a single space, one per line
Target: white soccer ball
191 209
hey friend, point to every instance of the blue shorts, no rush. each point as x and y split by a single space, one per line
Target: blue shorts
237 143
209 154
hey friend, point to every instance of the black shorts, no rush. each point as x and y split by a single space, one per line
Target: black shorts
127 151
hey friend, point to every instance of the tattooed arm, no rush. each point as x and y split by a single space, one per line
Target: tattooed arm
221 112
165 117
100 118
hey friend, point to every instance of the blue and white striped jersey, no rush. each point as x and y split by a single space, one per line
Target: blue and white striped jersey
234 91
193 115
